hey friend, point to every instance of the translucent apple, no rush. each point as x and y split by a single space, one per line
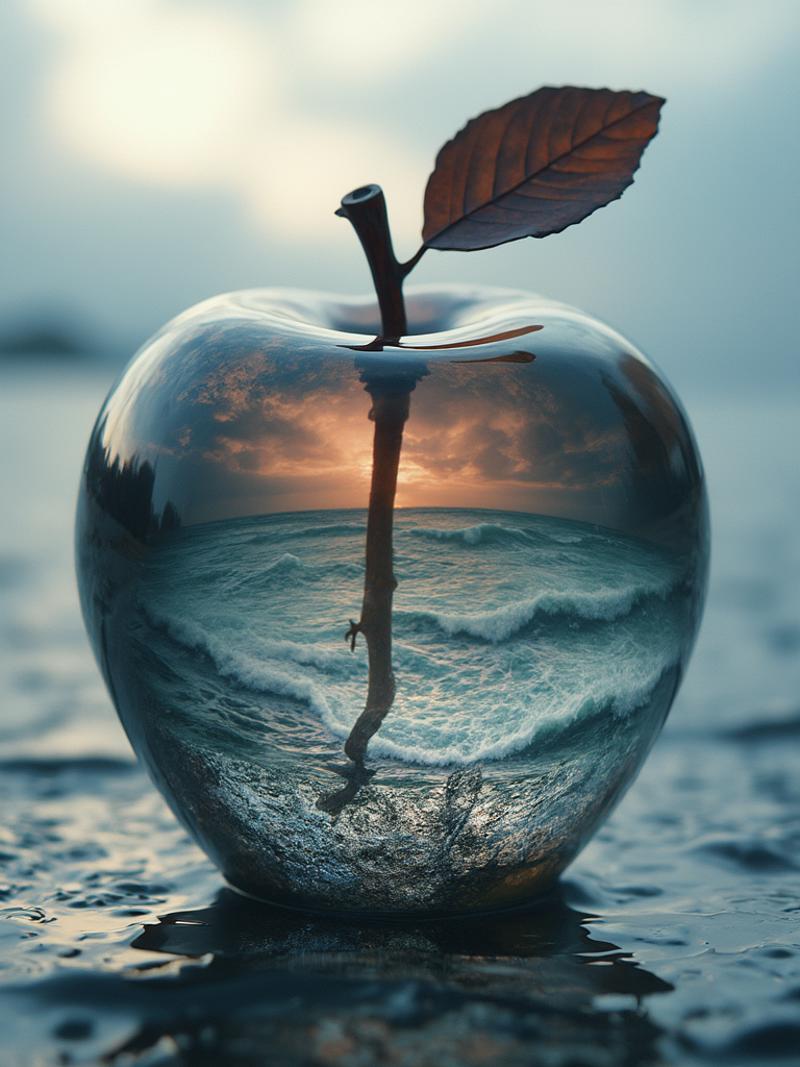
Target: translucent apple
550 546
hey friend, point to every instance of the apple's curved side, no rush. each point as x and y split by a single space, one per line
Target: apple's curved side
551 541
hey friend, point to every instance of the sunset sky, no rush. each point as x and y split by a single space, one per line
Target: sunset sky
241 418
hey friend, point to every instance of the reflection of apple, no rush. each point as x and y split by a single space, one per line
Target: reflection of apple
550 545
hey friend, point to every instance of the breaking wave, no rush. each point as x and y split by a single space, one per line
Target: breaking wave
480 533
567 623
501 623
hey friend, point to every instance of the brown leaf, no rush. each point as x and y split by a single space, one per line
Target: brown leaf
536 166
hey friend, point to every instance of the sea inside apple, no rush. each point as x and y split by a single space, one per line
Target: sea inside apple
550 545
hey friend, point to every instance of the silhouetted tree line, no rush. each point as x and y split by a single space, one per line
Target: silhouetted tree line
124 489
665 459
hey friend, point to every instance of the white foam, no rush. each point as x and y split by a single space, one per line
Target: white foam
480 533
498 624
285 562
500 722
192 635
573 708
458 701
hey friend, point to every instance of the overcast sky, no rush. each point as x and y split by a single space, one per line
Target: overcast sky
158 151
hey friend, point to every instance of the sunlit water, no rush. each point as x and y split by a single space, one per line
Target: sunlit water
694 880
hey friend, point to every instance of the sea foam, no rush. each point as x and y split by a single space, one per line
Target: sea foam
543 723
480 533
599 633
501 623
232 645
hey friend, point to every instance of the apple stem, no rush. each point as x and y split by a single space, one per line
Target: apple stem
389 412
390 408
365 207
390 394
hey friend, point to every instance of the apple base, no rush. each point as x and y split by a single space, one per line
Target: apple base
467 841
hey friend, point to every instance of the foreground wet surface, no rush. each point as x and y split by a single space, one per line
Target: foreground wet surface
674 938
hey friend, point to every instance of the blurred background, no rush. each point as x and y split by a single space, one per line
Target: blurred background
161 151
157 152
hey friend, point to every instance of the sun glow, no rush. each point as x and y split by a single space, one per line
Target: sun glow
160 102
203 97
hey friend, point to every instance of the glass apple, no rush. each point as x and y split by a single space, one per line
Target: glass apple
550 548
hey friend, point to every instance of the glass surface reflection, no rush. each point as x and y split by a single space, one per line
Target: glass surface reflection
550 544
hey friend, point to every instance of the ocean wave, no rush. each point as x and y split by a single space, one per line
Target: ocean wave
286 532
569 539
334 529
498 624
250 670
275 667
285 562
262 577
578 707
480 533
194 636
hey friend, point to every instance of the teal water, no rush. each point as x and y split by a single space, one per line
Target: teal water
507 627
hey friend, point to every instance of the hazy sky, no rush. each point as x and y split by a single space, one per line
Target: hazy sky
159 151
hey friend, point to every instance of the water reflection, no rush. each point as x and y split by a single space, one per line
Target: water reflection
508 987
